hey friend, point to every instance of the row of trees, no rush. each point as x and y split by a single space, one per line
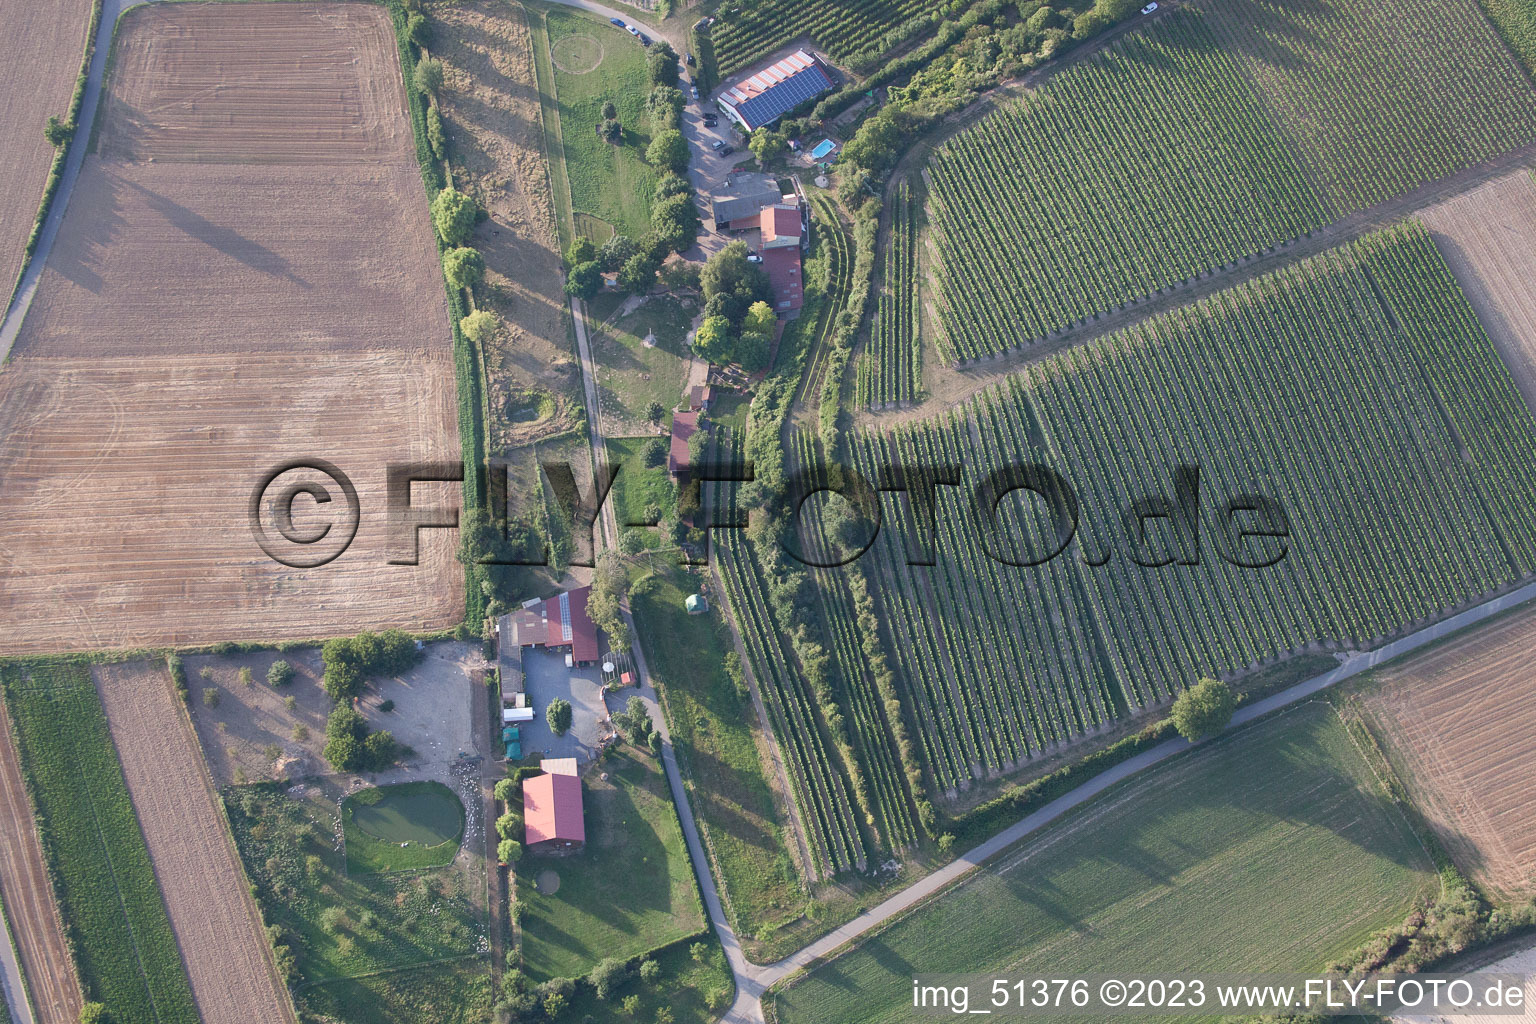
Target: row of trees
349 662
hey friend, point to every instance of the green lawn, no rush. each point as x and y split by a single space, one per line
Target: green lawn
358 937
102 876
594 62
639 486
631 890
1271 847
401 828
712 722
632 375
696 991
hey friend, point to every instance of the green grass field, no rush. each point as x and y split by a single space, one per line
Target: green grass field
631 890
712 731
105 884
424 816
594 62
630 375
354 933
695 991
638 486
1271 846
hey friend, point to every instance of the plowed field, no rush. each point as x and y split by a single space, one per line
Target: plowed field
246 276
1462 719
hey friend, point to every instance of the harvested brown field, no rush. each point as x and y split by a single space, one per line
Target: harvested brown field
213 917
241 279
1461 719
28 895
1488 236
40 53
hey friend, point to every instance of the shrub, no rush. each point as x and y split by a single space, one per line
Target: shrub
631 1005
58 132
429 75
609 111
650 970
1203 710
654 742
607 976
300 732
509 851
509 825
505 791
94 1013
418 29
480 326
464 267
437 138
558 715
211 697
454 214
653 413
280 674
290 703
178 675
386 706
244 675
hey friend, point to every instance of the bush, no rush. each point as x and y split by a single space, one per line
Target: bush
509 851
650 971
94 1013
584 280
436 137
654 742
244 675
429 75
505 791
509 825
1203 710
464 267
58 132
454 215
211 697
386 706
418 29
653 413
654 454
349 661
607 976
178 675
558 715
480 326
280 674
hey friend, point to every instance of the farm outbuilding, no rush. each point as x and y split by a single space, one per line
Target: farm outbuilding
763 98
696 604
553 817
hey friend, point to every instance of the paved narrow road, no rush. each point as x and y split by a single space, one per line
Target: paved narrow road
15 993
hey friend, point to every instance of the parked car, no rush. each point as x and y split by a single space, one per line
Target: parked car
617 21
645 40
691 61
717 145
727 150
1149 8
695 90
631 30
753 257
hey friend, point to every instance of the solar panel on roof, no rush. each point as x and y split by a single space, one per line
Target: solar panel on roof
785 96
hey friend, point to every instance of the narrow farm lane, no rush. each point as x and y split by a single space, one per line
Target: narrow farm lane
10 327
610 529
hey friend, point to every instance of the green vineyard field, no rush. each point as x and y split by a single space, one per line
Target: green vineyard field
1209 137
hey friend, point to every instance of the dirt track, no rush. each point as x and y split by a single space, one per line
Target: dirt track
212 914
246 275
29 905
1463 720
39 59
1488 237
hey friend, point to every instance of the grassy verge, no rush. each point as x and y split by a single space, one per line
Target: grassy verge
1271 846
630 891
99 864
639 487
549 111
56 171
355 932
713 732
426 815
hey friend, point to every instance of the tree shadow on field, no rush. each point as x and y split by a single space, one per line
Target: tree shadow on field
226 240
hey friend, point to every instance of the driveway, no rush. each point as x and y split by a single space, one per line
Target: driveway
545 678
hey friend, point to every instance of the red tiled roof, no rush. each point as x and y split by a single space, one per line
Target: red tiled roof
583 638
552 809
783 268
684 426
780 222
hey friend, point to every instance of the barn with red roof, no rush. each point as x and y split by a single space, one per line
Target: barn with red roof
553 816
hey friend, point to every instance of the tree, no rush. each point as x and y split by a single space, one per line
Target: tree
280 674
428 75
504 790
638 274
714 340
654 454
58 133
509 851
615 251
480 325
760 320
558 715
699 951
554 1005
665 105
607 976
728 273
671 185
876 144
418 29
584 280
767 144
675 220
1203 710
653 413
94 1013
631 1005
610 129
464 267
668 151
609 111
345 733
603 610
581 251
454 214
680 275
650 970
510 824
664 1015
661 64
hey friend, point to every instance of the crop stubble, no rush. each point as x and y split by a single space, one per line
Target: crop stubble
245 276
212 916
1463 719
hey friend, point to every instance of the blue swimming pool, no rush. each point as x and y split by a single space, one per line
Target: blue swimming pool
823 147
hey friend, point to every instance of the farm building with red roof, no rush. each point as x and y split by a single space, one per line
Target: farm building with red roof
553 818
